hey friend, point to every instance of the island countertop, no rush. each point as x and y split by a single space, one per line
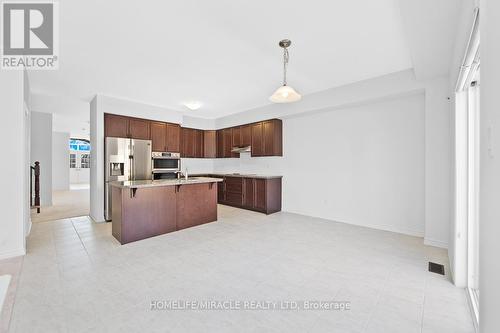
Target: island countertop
164 182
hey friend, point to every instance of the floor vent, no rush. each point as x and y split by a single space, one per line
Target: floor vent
436 268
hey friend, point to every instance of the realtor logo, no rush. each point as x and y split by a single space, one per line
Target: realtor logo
29 35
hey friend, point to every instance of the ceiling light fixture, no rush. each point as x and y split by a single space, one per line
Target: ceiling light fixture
285 94
193 105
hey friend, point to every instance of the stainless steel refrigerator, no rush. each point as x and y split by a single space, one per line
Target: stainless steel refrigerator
126 159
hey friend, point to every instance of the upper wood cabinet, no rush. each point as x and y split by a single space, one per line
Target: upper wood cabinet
267 138
273 142
192 143
159 136
198 143
165 137
209 144
257 139
139 129
116 126
236 136
245 135
220 143
173 138
228 141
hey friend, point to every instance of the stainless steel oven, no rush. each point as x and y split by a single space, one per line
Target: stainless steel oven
165 164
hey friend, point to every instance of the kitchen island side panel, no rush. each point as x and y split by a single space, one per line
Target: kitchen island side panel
196 204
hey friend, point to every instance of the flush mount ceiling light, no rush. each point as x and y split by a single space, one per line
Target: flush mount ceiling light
193 105
285 94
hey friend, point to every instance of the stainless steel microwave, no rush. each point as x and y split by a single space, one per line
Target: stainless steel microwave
165 162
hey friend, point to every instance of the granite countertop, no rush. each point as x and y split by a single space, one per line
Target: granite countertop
242 175
164 182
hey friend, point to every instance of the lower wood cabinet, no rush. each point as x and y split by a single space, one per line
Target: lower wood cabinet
258 194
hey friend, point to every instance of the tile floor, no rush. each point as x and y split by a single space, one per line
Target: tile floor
77 278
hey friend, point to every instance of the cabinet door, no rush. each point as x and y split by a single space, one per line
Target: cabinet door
220 143
159 136
188 138
246 135
236 136
139 129
248 193
272 137
209 144
116 126
257 140
260 194
173 138
234 191
198 143
228 141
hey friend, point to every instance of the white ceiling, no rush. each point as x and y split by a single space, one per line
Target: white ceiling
223 53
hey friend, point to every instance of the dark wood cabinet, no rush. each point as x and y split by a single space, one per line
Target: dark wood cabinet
209 144
139 129
188 140
264 137
192 143
272 134
173 138
198 143
258 194
236 136
257 139
116 126
228 141
159 136
220 143
267 138
246 135
234 190
248 193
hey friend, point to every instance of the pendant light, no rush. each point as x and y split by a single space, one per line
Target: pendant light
285 94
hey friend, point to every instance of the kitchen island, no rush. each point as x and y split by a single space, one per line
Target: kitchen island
147 208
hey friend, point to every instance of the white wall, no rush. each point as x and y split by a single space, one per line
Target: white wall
489 198
438 166
362 165
41 150
12 198
60 161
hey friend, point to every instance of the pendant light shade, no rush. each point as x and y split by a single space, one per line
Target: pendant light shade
285 94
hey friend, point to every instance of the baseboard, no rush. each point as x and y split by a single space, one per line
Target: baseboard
384 227
436 243
29 229
12 253
473 310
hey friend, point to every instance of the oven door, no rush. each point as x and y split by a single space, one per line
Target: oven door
166 164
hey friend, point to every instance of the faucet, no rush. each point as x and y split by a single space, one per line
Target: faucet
186 174
178 174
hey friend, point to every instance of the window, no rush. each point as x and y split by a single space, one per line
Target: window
85 161
72 161
79 153
79 145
